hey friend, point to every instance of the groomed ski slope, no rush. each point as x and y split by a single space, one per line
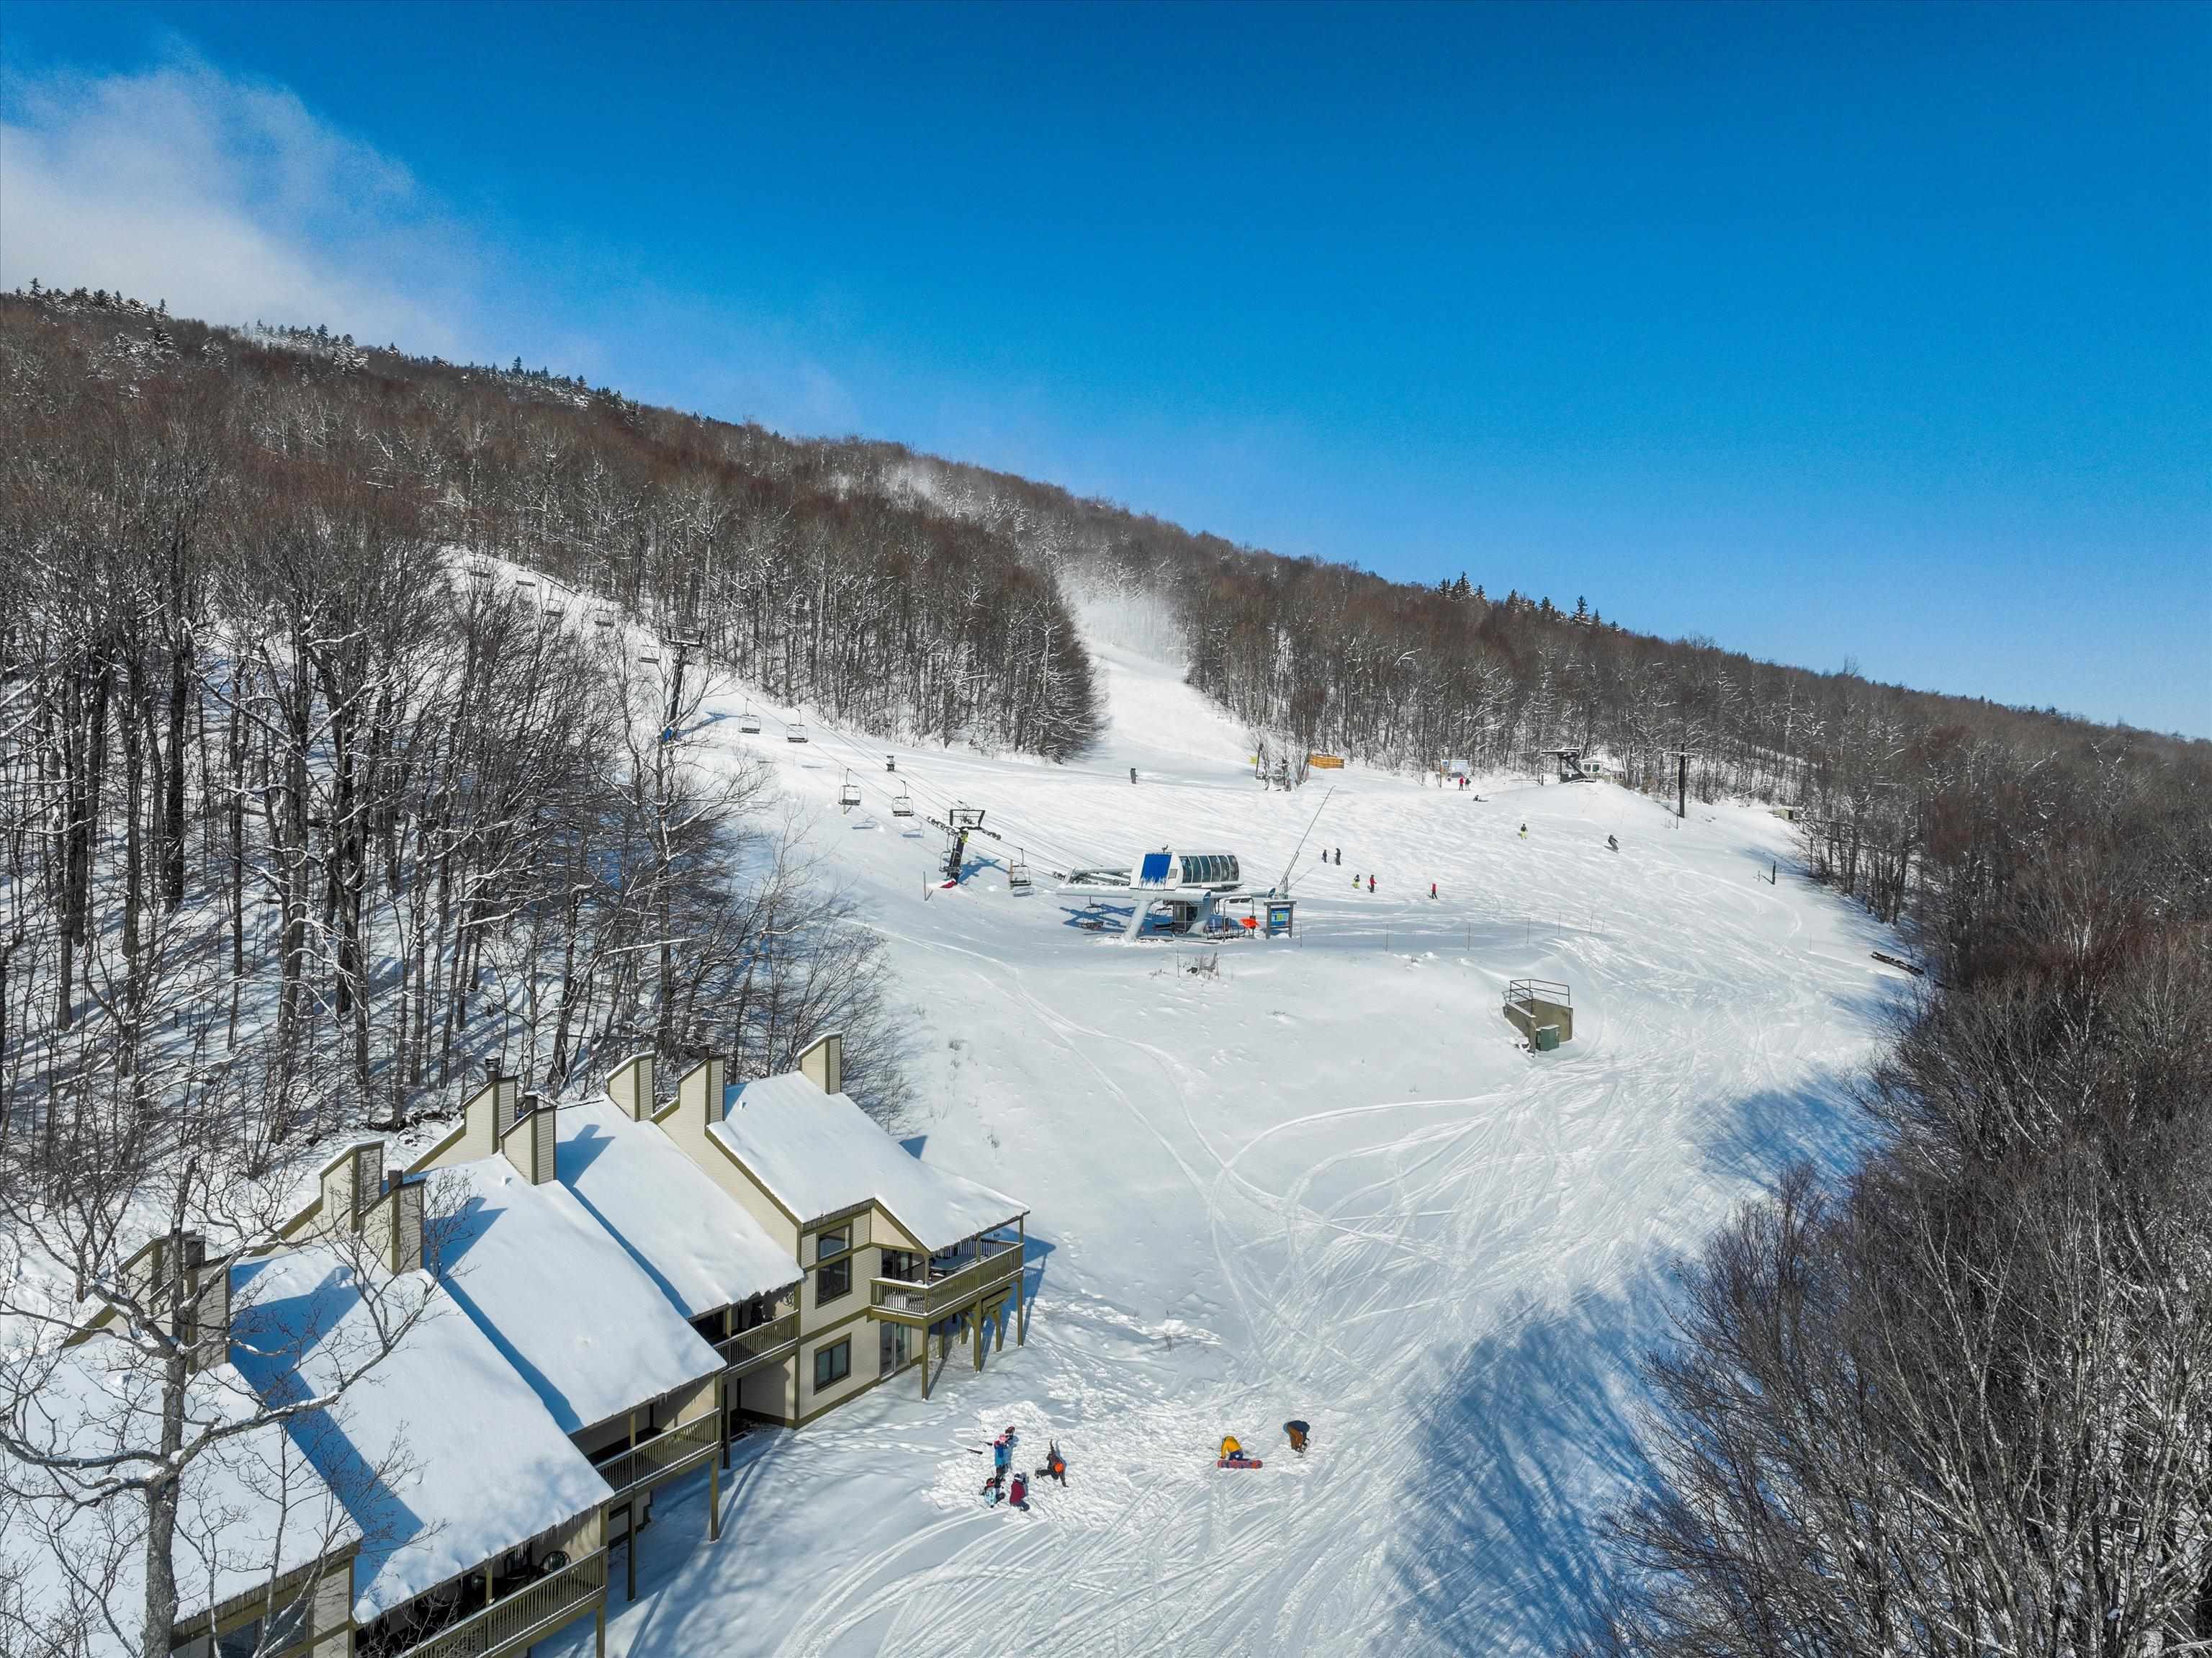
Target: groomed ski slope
1325 1182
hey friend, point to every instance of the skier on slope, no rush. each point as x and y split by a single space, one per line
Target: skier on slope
1524 832
1370 883
1611 844
1432 889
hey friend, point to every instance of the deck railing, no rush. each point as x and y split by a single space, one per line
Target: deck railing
664 1453
749 1350
997 1261
510 1623
1529 992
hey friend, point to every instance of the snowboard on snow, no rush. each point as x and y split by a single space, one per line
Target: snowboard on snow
1236 1462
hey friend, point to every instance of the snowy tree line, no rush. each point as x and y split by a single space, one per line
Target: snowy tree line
285 789
1960 1400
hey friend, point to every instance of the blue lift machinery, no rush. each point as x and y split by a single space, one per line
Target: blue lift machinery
1174 894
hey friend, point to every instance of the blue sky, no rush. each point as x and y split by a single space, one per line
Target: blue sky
1879 333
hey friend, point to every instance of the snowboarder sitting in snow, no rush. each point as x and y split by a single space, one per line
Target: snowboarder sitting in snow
1233 1454
1017 1493
1298 1431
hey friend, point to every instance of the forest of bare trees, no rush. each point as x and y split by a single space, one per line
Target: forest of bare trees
290 782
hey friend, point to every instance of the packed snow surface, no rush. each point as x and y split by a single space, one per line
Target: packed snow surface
693 1239
1323 1182
487 1462
820 1153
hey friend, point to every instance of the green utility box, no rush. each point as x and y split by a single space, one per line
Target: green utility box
1548 1038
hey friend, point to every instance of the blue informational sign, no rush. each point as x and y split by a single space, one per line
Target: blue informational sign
1155 872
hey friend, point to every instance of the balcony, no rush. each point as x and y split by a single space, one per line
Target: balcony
997 1261
685 1447
510 1623
761 1345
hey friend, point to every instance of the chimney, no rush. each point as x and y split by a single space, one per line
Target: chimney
823 1065
699 1094
203 1291
350 1185
406 1201
531 1142
631 1087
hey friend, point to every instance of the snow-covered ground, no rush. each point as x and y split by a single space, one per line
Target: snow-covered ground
1326 1183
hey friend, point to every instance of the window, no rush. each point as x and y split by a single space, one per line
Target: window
832 1365
903 1264
833 1281
832 1242
272 1633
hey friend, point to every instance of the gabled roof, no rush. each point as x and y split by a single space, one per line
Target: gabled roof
443 1453
820 1153
251 1509
688 1234
572 1312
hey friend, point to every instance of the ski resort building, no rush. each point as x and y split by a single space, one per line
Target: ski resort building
482 1524
900 1260
717 1265
592 1300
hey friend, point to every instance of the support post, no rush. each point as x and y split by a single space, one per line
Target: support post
600 1647
1021 1301
976 1319
925 1361
715 1501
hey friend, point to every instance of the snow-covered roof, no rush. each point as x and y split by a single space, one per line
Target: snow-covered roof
820 1153
251 1509
688 1235
443 1455
559 1296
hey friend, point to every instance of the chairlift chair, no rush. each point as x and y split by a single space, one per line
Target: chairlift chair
749 722
902 805
795 732
603 616
848 793
1017 873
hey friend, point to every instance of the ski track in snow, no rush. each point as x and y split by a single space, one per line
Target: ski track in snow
1325 1184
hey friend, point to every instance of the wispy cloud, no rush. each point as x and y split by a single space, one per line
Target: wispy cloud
232 201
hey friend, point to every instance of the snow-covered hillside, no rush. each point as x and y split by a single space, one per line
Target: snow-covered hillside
1324 1183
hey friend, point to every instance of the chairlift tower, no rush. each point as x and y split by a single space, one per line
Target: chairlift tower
1681 756
1571 765
683 648
962 822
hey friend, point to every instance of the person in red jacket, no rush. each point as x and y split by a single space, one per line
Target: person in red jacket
1370 883
1018 1492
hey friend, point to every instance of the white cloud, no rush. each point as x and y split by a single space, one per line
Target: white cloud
230 200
